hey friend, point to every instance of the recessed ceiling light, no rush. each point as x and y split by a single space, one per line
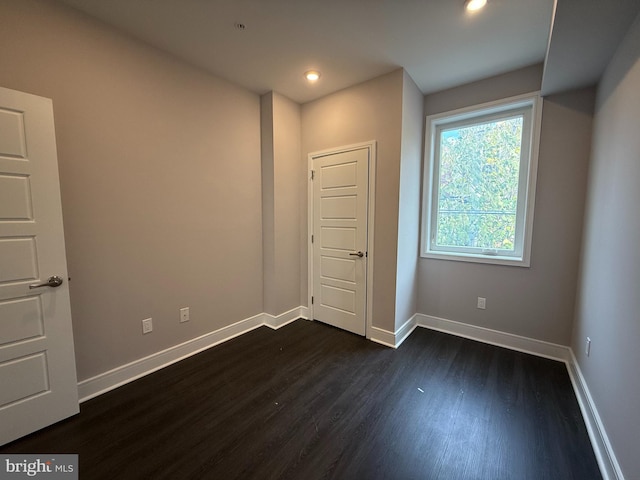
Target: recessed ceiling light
473 5
312 75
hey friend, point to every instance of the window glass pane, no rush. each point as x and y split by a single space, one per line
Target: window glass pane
478 184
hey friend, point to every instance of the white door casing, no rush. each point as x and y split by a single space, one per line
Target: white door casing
37 362
341 216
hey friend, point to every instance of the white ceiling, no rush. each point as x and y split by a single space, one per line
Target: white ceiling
350 41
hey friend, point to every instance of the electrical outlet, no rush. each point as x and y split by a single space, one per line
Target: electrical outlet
147 326
588 347
184 314
482 303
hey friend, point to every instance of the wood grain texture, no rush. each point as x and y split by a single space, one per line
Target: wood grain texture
312 402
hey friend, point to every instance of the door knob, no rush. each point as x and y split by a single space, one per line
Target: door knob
359 254
54 281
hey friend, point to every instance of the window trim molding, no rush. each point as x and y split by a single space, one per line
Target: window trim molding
532 99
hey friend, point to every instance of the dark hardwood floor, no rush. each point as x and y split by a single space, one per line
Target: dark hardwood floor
309 401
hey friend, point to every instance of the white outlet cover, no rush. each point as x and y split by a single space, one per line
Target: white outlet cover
147 325
184 314
482 303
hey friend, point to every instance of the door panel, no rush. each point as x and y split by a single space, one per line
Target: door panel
338 238
18 259
344 207
340 176
37 363
338 269
15 198
340 199
342 299
21 319
12 141
33 375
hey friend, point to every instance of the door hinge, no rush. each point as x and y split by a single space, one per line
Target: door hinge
311 300
313 174
311 238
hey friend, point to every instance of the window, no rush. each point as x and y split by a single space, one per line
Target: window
480 172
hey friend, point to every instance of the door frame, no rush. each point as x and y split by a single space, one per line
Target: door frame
371 194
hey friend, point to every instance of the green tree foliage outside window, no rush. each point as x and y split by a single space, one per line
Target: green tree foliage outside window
478 185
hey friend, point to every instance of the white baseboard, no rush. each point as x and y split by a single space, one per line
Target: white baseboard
496 337
104 382
393 339
405 330
383 337
609 466
283 319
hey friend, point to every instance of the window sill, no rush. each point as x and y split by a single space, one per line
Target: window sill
469 257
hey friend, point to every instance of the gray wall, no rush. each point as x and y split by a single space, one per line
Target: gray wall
281 193
269 285
152 153
409 201
608 307
368 111
536 302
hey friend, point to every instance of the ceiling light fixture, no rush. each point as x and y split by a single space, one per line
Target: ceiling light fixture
473 5
312 75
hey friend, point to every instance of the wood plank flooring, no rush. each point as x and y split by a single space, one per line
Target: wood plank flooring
312 402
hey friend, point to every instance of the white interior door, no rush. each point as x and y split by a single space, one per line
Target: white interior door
340 199
37 363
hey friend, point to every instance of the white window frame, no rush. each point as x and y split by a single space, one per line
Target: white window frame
526 103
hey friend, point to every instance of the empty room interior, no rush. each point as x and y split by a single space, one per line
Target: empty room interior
262 275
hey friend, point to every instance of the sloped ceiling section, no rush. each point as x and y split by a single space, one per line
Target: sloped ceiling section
584 37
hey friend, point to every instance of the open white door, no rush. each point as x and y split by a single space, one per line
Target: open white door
340 252
37 362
